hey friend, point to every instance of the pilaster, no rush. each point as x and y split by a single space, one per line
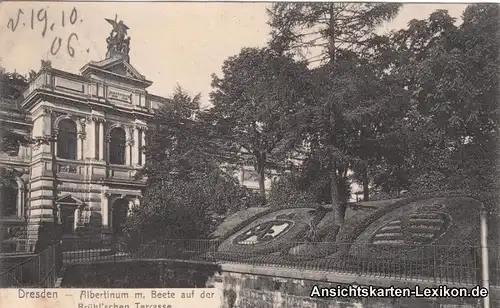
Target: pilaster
91 140
82 134
143 154
41 227
105 209
101 140
135 150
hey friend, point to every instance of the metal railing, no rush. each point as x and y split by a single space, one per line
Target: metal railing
41 270
443 264
438 264
82 252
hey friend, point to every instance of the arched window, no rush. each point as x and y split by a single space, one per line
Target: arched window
117 146
67 139
8 197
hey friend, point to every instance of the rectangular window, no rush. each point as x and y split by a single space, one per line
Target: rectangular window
96 141
140 145
67 219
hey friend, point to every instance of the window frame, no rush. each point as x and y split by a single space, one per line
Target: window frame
67 139
117 146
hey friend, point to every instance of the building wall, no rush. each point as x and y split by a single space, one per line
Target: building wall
105 95
96 101
88 183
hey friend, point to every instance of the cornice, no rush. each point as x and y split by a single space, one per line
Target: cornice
72 76
90 103
91 67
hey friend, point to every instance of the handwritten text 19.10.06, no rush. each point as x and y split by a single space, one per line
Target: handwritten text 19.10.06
41 19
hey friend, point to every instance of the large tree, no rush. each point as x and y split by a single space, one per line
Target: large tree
380 101
181 143
11 87
257 100
187 191
322 31
336 35
452 73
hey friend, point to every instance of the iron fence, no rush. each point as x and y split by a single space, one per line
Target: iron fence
439 264
41 270
191 249
445 264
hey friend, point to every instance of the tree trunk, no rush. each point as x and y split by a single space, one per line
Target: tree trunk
261 161
331 34
336 204
366 182
262 185
341 209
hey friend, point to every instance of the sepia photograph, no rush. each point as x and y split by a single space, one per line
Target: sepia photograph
285 154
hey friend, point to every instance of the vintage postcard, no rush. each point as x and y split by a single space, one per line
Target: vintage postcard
249 155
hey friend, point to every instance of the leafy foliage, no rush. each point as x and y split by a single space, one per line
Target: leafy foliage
173 209
181 143
341 33
256 101
187 192
11 87
331 28
288 191
181 209
449 132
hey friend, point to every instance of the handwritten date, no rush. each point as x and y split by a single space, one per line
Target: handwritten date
39 19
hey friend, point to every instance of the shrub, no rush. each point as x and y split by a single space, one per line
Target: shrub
285 193
185 209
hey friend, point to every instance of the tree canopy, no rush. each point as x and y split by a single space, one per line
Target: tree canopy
258 101
188 190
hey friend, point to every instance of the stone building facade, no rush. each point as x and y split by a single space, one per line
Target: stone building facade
84 180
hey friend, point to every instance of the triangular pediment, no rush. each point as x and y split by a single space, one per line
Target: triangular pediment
123 68
117 67
69 200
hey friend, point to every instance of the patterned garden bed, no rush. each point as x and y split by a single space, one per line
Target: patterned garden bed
423 236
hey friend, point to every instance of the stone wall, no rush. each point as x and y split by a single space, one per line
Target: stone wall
255 290
137 274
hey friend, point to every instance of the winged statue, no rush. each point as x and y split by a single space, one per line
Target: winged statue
117 40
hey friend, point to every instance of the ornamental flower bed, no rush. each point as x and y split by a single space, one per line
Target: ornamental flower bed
453 225
239 219
446 221
278 231
429 236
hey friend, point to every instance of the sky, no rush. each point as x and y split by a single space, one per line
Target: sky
171 43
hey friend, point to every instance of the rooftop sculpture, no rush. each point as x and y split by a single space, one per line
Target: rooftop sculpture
118 41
